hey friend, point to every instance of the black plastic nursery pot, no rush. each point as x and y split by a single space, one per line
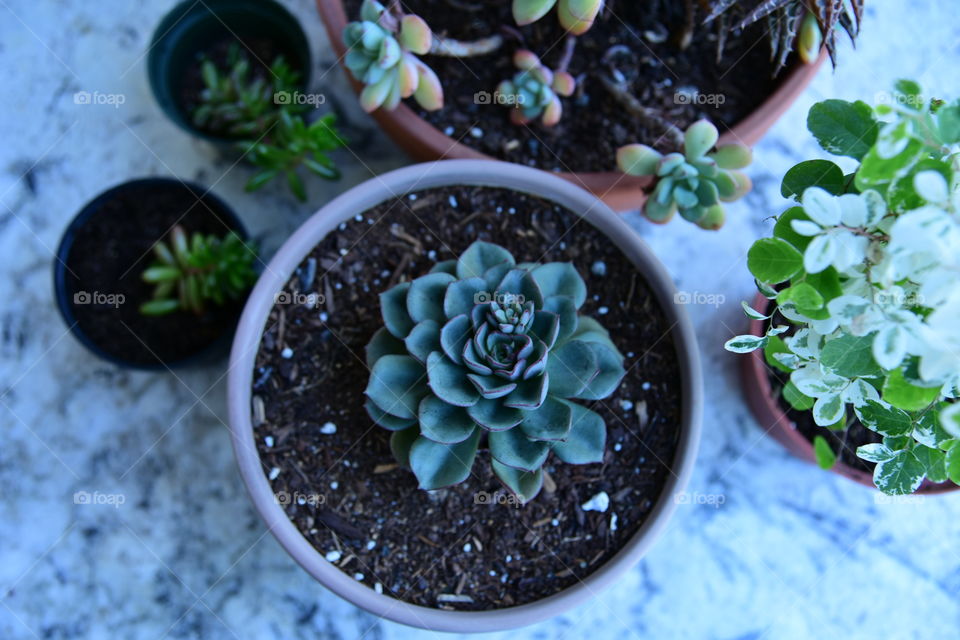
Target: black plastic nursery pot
98 266
192 30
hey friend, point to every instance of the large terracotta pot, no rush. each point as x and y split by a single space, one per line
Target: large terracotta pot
362 198
424 142
774 421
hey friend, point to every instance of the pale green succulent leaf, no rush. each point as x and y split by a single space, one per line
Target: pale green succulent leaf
611 373
423 340
461 296
524 484
572 367
521 283
561 279
383 343
397 383
442 465
444 423
587 439
454 337
529 394
491 387
384 419
449 382
481 256
393 308
425 297
565 309
551 422
400 443
514 449
492 415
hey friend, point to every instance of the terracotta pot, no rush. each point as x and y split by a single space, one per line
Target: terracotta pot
424 142
774 421
362 198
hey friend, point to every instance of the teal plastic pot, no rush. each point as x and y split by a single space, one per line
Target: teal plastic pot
192 28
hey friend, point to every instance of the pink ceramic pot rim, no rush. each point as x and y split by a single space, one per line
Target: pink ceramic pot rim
360 199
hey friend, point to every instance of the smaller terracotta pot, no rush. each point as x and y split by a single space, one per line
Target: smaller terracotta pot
424 142
774 421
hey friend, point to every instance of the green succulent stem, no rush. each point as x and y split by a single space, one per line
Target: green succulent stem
451 48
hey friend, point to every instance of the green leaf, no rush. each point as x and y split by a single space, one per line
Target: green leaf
610 375
561 279
481 256
400 443
384 419
745 343
296 185
903 196
828 410
900 475
461 296
523 484
423 340
900 393
953 464
796 399
444 423
850 356
587 439
393 308
812 173
259 179
426 295
491 387
529 394
565 309
521 283
843 128
454 337
825 456
887 421
876 172
449 382
805 298
933 461
773 260
396 385
571 368
442 465
552 421
774 346
159 307
826 282
874 452
514 449
492 415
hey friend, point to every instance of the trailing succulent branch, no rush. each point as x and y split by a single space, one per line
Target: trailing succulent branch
694 182
483 347
191 272
534 91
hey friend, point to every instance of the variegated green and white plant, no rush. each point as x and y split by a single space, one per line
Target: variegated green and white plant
866 269
483 350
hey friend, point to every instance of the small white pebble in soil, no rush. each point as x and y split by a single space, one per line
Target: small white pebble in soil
274 473
371 544
329 428
324 316
645 386
358 576
338 286
467 548
343 252
555 522
511 211
286 353
448 131
626 405
599 268
603 310
630 354
370 220
453 202
301 500
378 588
617 447
358 218
268 440
499 209
343 226
333 556
493 573
412 196
613 522
334 485
432 254
599 502
476 132
509 558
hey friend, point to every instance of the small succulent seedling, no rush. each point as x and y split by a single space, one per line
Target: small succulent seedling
864 268
236 102
534 91
576 16
191 272
696 182
382 54
484 347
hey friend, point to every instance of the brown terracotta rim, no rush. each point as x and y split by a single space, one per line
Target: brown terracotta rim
775 422
363 197
424 142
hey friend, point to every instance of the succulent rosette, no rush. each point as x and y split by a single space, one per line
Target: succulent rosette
485 347
534 90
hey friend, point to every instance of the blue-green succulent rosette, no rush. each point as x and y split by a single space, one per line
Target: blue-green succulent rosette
485 346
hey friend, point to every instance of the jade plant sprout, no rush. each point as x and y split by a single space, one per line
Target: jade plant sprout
694 182
483 348
534 90
260 112
189 272
576 16
864 270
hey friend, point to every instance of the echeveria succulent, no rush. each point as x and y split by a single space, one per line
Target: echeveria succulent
380 54
694 182
483 347
576 16
533 92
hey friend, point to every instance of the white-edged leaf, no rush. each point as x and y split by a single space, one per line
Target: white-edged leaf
806 227
752 313
768 292
900 475
931 186
828 410
819 254
846 308
890 346
950 420
876 207
821 206
874 452
813 382
853 210
777 330
745 344
859 392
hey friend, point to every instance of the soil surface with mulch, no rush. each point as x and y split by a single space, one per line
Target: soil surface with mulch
633 43
104 267
469 547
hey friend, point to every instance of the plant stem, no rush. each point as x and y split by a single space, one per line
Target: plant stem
568 48
465 49
650 116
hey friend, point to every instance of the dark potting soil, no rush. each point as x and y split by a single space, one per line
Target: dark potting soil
469 546
260 53
107 258
622 43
